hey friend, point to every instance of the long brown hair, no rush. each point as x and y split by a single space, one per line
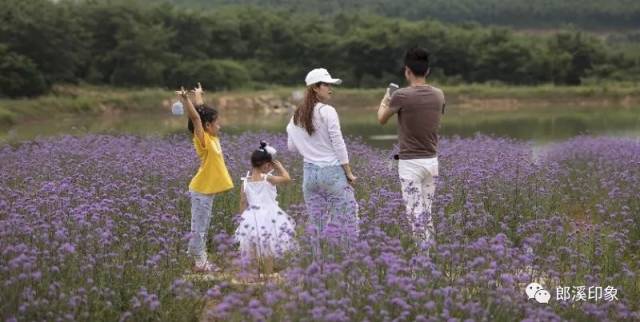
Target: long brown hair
303 117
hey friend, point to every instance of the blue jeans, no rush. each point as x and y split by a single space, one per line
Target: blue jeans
201 206
329 198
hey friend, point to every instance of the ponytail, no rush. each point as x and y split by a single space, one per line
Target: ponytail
303 116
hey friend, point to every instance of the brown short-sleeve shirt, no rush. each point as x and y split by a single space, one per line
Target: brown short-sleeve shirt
419 109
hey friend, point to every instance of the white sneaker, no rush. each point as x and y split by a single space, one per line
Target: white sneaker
205 267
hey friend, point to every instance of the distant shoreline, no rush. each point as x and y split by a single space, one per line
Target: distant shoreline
99 100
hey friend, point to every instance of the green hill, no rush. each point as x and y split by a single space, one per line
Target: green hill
142 44
591 14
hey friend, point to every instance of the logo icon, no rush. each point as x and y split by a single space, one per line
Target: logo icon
535 291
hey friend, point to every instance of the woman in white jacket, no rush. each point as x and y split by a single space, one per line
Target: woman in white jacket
314 132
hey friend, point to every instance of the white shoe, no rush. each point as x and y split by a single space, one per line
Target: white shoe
206 267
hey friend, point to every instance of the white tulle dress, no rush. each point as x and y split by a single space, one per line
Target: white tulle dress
264 230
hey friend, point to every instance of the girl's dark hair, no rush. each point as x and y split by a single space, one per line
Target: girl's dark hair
303 116
260 156
207 115
417 60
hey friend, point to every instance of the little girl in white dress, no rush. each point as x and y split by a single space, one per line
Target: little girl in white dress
265 230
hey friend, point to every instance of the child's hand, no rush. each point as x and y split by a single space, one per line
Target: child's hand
282 174
198 90
198 94
182 92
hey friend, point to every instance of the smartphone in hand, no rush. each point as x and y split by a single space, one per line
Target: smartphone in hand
392 88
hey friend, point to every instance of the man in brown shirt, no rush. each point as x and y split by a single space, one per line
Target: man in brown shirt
419 108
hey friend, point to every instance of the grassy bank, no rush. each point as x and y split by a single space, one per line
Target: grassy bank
98 100
77 100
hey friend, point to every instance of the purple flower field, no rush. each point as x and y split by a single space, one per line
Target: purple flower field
95 228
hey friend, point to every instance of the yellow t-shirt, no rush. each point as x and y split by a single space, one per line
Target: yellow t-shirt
212 176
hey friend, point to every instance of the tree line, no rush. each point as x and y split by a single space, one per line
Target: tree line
124 43
592 14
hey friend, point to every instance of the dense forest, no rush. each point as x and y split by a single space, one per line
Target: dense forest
592 14
124 43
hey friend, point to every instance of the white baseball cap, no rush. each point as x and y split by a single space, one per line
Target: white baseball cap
321 75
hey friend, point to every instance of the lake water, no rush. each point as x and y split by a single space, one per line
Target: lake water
539 125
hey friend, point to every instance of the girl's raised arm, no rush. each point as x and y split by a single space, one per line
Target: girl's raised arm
193 115
282 174
198 95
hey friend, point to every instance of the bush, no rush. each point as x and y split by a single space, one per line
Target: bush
19 76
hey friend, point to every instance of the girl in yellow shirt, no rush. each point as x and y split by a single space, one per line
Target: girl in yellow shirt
212 176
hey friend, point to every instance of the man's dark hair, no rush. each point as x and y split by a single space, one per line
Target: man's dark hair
207 115
417 60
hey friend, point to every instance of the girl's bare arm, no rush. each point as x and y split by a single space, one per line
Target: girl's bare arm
243 200
198 94
193 115
282 176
